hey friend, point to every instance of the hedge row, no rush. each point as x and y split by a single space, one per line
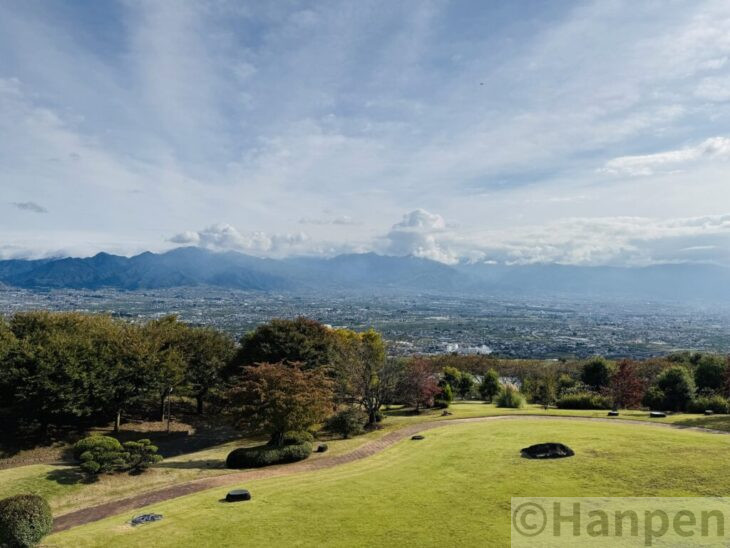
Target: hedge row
266 455
583 400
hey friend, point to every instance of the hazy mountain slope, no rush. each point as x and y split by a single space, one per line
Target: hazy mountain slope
367 272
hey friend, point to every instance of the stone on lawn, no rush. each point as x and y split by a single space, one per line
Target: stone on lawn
613 413
709 412
417 437
657 414
321 448
547 451
238 495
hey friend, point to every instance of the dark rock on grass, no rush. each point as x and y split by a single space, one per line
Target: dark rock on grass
417 437
322 447
547 451
613 413
657 414
238 495
146 518
709 412
446 413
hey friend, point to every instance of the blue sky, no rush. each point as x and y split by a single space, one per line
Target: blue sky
580 133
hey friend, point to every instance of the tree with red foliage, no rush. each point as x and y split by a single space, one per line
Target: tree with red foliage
278 398
626 386
419 384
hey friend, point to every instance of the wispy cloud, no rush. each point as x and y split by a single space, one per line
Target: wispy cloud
30 206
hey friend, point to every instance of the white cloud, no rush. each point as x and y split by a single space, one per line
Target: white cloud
224 237
714 89
648 164
420 234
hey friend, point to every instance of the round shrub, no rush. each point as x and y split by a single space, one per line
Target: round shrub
297 437
510 397
266 455
24 520
583 400
678 387
348 422
99 454
96 443
716 404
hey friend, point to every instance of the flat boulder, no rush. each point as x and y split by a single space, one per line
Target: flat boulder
547 451
417 437
613 413
657 414
709 412
321 448
238 495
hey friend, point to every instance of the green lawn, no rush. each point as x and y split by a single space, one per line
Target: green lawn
60 484
452 488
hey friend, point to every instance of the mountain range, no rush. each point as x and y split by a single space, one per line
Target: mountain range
191 266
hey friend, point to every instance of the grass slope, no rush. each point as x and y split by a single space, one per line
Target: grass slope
454 487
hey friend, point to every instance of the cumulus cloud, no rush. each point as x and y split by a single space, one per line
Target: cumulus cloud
30 206
648 164
420 234
224 237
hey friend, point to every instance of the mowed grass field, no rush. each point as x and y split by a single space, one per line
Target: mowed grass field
453 487
61 485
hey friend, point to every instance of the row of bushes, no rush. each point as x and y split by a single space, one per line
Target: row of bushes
583 400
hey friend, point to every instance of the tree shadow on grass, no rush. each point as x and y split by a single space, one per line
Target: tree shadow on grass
202 464
69 476
717 422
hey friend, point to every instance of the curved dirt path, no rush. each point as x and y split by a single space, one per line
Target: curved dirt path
95 513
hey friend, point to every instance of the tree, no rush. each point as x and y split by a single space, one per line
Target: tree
489 387
546 391
451 376
301 340
206 353
677 387
596 373
710 373
167 336
419 384
626 387
278 398
364 374
465 386
348 422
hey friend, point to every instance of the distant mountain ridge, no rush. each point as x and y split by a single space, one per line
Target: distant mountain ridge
190 266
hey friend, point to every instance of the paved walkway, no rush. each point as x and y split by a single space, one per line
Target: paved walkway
95 513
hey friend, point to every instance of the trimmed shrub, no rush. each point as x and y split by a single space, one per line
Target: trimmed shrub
96 443
583 400
297 437
717 404
510 397
24 520
596 372
140 455
654 398
266 455
348 422
489 387
100 454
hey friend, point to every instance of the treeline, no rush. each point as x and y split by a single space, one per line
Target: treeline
682 381
73 370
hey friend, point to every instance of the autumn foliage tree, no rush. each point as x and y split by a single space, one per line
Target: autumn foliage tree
278 398
419 384
626 386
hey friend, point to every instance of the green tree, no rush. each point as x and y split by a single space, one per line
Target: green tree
466 385
489 387
597 372
301 340
677 387
710 373
206 353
